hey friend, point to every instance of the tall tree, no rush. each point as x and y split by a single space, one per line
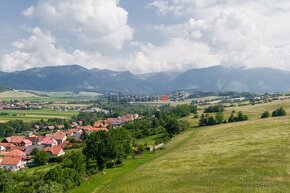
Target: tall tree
99 147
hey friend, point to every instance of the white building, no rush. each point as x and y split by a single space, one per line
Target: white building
12 163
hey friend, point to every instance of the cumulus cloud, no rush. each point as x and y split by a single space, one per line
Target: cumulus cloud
177 54
248 33
92 22
41 49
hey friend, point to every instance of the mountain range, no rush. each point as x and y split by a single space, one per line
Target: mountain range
216 78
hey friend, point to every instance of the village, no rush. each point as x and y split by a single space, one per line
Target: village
16 151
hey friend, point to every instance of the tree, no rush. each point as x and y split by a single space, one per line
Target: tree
219 116
50 187
266 114
121 140
6 181
231 118
172 127
99 147
78 162
41 157
279 112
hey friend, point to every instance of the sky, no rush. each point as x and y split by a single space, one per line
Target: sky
144 36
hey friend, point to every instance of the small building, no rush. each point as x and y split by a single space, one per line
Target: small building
26 142
2 149
16 140
56 150
49 142
59 136
30 148
8 146
12 163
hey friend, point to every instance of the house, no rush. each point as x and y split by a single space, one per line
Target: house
27 133
37 127
49 142
12 163
16 140
8 146
74 124
50 128
16 153
26 142
30 148
2 149
74 133
59 126
36 140
56 150
59 136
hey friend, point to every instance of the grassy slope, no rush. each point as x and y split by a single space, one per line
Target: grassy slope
250 156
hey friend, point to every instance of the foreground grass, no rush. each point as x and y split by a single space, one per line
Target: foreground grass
101 183
241 157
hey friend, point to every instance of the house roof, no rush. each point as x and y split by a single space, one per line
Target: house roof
30 148
48 140
71 131
16 152
7 145
26 141
55 150
57 135
8 160
14 139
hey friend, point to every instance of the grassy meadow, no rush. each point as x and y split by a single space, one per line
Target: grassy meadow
250 156
34 115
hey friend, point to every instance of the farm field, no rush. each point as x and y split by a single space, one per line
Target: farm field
33 115
250 156
16 95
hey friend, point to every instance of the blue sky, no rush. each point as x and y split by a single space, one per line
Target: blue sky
144 35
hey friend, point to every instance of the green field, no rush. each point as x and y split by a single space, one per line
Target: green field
251 156
33 115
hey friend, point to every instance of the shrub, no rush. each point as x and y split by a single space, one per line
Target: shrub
266 114
279 112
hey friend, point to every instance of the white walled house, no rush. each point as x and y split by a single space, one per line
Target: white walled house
12 163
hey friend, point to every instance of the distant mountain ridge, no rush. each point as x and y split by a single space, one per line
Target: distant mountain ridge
216 78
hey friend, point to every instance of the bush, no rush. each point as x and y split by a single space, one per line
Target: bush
279 112
266 114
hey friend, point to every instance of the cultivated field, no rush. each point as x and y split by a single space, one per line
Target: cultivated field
16 95
33 115
251 156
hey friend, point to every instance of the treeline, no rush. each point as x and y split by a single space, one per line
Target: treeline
276 113
165 120
208 120
214 109
13 127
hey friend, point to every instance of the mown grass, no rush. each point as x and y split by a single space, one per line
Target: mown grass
33 115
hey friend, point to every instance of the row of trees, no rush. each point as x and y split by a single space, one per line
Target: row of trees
214 109
208 120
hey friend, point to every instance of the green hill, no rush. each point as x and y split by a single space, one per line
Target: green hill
251 156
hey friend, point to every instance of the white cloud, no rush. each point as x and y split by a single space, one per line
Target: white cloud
93 22
177 54
249 33
41 49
